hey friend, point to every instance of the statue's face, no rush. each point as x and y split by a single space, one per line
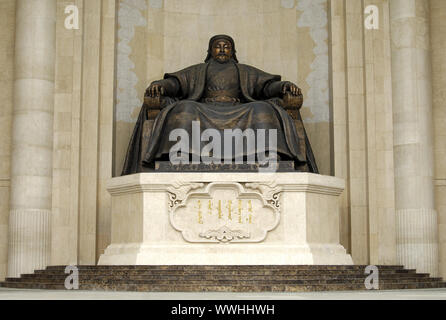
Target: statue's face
221 50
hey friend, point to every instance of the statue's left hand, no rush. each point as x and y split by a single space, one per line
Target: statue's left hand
291 88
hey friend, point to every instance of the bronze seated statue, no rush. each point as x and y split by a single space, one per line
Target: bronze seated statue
219 94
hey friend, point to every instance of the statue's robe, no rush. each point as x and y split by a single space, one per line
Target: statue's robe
256 110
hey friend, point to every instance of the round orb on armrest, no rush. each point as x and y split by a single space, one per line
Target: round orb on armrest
292 102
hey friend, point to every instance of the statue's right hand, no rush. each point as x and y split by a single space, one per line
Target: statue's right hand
155 90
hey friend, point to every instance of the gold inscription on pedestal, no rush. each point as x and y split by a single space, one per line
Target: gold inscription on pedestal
229 209
219 210
200 214
243 210
250 212
224 211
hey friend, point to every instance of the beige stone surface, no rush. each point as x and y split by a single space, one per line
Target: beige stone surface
67 108
339 107
106 118
156 218
413 136
32 134
83 143
363 130
7 36
379 131
89 139
438 43
356 136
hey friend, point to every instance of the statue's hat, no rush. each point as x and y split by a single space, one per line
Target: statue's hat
221 37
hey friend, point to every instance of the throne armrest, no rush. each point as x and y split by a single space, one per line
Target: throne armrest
292 105
153 106
153 103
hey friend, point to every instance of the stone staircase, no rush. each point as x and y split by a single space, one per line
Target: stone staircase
224 278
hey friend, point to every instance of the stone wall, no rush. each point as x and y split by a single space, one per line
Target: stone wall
438 43
7 31
416 227
83 133
363 130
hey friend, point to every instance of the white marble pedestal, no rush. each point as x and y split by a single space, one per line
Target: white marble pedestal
225 219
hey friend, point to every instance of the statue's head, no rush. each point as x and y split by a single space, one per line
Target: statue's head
221 49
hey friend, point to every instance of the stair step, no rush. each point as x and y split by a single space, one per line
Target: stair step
223 288
225 278
219 268
230 282
224 272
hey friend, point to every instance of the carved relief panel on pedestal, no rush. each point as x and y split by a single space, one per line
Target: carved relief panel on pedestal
224 211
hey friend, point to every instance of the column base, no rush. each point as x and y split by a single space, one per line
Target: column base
29 241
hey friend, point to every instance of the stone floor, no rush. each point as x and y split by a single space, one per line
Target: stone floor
420 294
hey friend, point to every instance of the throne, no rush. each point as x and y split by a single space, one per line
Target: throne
292 104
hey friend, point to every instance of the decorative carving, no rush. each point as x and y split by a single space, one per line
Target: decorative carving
270 191
224 211
224 234
178 192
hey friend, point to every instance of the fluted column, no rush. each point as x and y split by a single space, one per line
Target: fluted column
32 137
417 235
